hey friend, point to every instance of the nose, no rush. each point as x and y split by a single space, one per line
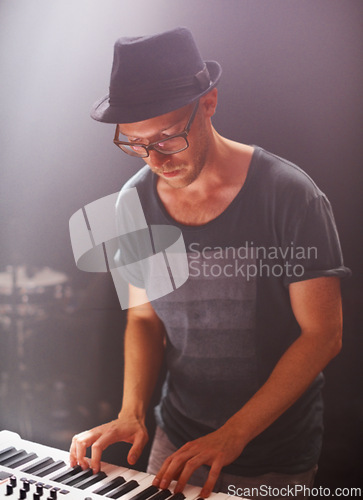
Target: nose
156 159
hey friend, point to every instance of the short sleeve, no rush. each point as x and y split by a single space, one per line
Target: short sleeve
133 245
313 244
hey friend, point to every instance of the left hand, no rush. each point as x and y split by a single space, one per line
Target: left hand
216 449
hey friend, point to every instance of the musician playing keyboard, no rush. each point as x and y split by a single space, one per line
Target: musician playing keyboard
246 336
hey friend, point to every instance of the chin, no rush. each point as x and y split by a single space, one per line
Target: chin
183 180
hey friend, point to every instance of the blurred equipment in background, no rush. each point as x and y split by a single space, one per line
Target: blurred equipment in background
61 351
28 296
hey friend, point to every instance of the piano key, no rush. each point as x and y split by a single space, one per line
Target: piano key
191 492
162 495
8 456
50 468
111 485
96 478
31 469
6 451
73 480
17 462
33 459
144 480
146 493
72 471
14 458
123 489
113 472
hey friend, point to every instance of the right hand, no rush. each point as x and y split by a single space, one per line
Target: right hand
125 428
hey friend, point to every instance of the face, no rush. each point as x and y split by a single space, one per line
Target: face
178 170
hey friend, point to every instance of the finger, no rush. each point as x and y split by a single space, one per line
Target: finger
213 475
73 458
159 475
73 449
137 447
81 449
96 454
98 446
80 443
72 453
190 466
171 469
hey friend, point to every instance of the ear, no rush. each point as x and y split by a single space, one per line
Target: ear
208 103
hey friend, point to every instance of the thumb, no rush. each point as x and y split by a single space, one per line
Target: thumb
136 449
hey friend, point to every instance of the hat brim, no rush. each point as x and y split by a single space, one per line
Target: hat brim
103 112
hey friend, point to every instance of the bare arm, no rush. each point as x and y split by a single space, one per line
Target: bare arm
144 348
316 305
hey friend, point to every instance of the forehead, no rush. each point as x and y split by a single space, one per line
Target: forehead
153 126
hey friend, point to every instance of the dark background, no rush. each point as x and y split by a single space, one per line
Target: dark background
292 83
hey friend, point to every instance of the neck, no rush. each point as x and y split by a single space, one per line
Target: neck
226 164
219 182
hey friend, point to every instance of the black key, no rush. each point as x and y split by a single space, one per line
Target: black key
106 488
7 456
17 456
122 490
50 468
24 460
74 480
66 474
92 480
6 451
146 493
162 495
38 465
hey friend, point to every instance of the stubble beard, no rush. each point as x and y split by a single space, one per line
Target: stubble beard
193 169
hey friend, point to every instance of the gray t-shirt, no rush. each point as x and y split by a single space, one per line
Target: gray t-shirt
230 322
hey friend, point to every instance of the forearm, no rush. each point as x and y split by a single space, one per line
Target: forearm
292 375
144 350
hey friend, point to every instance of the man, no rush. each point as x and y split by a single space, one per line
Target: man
246 337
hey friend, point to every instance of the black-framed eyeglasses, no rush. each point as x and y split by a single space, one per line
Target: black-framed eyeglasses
169 146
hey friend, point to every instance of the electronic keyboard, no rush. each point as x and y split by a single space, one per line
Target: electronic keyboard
37 472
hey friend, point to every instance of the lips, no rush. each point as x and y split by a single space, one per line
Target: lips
173 173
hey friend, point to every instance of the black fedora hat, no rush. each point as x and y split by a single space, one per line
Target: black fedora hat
153 75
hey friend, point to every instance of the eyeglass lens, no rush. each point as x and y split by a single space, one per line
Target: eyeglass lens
168 146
